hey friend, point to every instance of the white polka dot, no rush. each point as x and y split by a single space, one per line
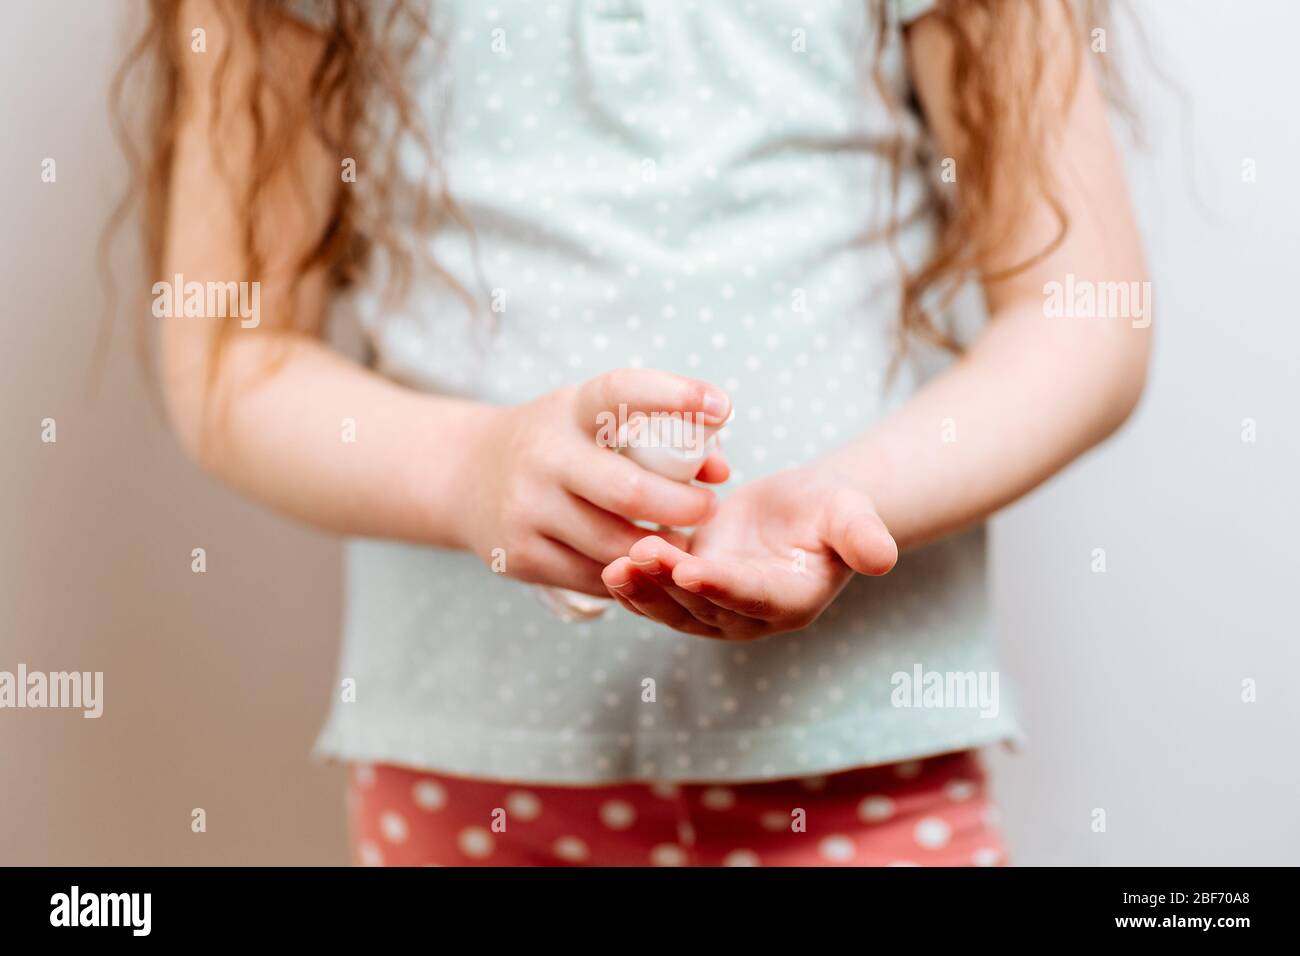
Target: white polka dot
775 821
475 842
523 805
668 854
617 814
741 858
665 791
873 809
571 849
837 848
369 854
429 795
393 826
959 790
908 769
932 833
364 775
686 833
986 856
813 783
718 798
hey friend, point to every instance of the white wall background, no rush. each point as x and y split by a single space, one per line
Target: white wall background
1130 680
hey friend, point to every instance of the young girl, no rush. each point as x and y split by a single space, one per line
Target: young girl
541 214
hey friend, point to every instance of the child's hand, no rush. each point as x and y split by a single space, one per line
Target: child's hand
542 494
771 559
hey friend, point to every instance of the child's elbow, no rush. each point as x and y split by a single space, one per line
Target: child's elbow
184 381
185 416
1128 363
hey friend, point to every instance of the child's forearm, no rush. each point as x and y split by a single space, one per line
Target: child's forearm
1030 396
287 421
1034 391
327 442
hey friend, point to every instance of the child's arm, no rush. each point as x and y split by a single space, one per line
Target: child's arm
528 479
1033 392
1031 395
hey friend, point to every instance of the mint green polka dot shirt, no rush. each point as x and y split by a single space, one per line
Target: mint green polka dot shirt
690 186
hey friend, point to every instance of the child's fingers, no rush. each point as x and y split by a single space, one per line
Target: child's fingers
732 624
715 469
646 390
589 530
626 604
656 558
624 488
555 564
618 573
735 587
629 584
678 539
653 553
851 527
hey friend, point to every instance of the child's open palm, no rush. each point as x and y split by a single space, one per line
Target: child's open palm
771 559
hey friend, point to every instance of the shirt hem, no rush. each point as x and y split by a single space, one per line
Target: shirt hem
502 756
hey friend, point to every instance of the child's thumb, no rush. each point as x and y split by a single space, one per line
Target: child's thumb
855 532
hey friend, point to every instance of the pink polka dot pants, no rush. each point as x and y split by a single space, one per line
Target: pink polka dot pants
932 812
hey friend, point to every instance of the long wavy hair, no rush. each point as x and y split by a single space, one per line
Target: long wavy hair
1003 112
